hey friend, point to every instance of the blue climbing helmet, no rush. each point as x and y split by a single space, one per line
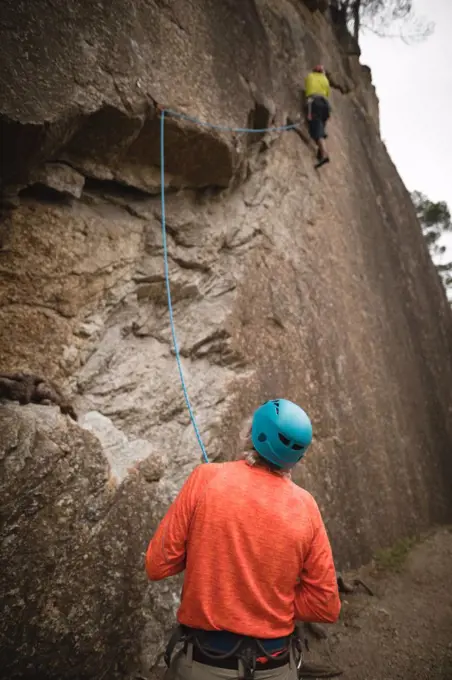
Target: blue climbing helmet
281 432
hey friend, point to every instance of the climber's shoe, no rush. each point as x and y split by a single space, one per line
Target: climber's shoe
322 161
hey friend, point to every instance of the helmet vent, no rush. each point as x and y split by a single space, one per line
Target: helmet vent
283 439
262 437
276 403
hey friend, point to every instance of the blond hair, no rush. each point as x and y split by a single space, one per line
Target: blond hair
252 457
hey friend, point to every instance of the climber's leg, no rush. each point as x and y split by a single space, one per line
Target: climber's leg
316 126
322 153
324 113
316 129
317 132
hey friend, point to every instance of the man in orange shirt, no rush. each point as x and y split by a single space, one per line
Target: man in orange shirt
256 557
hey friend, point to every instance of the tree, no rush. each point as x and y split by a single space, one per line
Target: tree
386 18
435 220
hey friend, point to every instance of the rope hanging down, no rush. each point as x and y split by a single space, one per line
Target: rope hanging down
165 246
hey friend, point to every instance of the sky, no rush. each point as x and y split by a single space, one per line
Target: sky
414 87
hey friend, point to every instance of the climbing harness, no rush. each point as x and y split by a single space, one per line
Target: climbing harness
168 112
247 655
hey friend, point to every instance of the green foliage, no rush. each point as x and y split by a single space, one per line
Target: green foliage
393 559
435 220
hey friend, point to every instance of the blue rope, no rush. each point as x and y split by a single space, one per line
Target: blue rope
282 128
167 282
165 247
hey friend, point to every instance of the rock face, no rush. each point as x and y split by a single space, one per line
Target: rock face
285 282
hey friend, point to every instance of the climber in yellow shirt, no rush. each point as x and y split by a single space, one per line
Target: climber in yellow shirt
317 92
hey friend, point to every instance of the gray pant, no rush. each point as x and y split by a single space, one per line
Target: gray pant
184 668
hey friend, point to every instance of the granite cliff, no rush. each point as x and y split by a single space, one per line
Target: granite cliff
286 282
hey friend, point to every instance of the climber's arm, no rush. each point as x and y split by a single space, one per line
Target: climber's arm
317 596
166 552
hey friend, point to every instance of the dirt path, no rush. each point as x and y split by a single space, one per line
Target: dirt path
405 631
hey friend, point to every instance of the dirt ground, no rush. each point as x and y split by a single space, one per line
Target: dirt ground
404 631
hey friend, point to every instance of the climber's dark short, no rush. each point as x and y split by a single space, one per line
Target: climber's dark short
318 114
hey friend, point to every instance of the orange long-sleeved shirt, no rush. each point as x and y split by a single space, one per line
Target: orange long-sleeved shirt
255 552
